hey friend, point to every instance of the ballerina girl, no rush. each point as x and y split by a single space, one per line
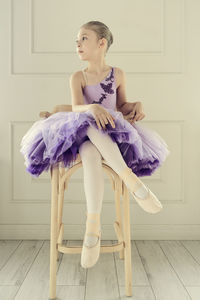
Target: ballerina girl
101 124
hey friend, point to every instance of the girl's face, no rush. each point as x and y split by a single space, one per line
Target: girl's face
88 45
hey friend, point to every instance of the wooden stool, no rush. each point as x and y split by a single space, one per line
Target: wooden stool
59 182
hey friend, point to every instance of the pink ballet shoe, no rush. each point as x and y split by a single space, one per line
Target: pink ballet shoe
150 203
90 254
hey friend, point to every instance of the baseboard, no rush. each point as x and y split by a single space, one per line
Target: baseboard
76 232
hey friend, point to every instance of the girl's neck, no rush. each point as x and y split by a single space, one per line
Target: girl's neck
97 68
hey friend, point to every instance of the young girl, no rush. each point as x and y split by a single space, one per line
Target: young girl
96 128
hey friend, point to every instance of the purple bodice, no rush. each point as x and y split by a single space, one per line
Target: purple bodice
103 93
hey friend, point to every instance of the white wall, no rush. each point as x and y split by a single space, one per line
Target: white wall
157 44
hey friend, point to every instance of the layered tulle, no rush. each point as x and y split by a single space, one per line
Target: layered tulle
58 138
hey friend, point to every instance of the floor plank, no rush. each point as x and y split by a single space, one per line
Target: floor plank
16 268
70 271
194 292
8 292
139 293
162 270
138 272
162 277
102 280
36 283
6 250
185 266
194 248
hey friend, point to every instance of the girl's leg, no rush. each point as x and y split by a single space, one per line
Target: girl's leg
93 181
93 176
108 149
111 153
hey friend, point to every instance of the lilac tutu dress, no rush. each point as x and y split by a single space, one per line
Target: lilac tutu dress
58 137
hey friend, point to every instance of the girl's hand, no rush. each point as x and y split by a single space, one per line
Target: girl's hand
102 116
136 114
45 114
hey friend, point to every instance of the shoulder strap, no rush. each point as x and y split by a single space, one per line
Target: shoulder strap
84 75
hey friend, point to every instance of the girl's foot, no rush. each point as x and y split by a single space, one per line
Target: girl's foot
91 245
144 197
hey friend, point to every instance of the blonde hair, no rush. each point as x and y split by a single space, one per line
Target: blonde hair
101 30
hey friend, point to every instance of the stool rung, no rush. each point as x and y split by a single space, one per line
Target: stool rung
103 248
117 228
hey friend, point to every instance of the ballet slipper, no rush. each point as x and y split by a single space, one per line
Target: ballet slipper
90 254
150 203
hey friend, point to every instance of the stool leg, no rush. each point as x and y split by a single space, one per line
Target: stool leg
53 240
118 184
127 240
60 206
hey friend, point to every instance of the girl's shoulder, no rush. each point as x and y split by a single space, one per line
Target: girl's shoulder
118 73
78 77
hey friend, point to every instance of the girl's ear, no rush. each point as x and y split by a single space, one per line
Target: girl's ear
103 42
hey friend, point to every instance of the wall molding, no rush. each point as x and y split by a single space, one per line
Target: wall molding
168 59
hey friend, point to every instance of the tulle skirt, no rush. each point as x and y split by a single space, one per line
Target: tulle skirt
58 138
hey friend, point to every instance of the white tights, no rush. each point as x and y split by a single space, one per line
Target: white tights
91 152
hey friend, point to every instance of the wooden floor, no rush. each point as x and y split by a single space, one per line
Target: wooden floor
162 270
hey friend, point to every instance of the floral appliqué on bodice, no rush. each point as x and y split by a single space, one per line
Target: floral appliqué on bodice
103 93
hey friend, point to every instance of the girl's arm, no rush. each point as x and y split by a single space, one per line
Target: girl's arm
132 111
62 107
127 107
57 108
122 104
135 113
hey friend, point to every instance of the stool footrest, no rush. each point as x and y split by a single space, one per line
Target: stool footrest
117 228
103 248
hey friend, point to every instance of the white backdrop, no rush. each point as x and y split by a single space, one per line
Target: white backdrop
157 44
